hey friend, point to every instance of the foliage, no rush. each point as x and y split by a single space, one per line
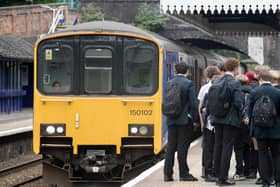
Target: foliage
26 2
229 53
91 13
147 18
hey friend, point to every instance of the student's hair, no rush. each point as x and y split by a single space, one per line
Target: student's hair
221 67
231 64
265 75
275 76
211 71
181 67
243 79
261 68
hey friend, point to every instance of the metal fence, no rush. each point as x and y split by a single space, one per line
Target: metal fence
10 87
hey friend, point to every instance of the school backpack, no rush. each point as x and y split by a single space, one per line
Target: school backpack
172 105
219 98
264 112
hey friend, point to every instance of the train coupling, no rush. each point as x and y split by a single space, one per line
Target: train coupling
97 161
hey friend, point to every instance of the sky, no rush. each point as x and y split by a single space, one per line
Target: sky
226 3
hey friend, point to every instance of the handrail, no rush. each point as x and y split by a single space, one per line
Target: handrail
125 101
44 101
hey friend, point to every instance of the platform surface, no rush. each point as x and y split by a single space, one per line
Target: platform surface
155 178
17 122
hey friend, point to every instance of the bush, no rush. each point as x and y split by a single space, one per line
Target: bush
147 18
91 13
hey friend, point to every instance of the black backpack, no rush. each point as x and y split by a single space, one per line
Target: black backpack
172 105
219 98
264 112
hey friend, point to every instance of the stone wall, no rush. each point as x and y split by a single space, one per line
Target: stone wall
119 10
29 20
272 51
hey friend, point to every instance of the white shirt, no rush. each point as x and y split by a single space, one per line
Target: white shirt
203 91
201 95
229 73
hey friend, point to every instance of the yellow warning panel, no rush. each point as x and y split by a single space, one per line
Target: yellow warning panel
48 54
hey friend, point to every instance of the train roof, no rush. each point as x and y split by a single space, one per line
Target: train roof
117 27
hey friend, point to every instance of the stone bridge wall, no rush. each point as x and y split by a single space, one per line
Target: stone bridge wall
29 20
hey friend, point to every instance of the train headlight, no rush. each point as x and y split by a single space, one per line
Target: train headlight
52 129
143 130
59 130
140 130
134 130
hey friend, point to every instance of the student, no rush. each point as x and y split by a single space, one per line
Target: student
180 127
265 116
242 145
253 163
225 106
275 78
208 130
254 160
222 68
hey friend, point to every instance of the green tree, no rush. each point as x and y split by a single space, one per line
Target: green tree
230 53
147 18
91 13
26 2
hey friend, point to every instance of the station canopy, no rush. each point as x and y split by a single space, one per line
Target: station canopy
264 12
12 47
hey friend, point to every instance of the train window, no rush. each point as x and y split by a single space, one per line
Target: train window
56 61
98 70
139 66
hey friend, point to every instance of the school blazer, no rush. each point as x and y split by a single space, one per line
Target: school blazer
189 102
274 94
234 116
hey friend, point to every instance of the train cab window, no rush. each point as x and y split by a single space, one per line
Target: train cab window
98 70
55 68
140 68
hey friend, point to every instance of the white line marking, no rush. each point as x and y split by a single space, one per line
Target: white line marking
16 131
151 170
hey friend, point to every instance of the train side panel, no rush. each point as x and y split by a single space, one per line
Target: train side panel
169 59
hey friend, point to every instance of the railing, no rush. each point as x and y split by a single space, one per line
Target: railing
10 87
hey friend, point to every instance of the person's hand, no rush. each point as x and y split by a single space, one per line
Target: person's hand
201 128
196 126
246 121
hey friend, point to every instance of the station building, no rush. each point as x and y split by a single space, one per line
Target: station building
16 74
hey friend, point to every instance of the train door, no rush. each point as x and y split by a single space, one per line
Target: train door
94 110
169 59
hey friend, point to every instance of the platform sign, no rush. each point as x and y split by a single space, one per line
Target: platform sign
256 49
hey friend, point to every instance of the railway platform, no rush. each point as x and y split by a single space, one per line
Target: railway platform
153 177
16 123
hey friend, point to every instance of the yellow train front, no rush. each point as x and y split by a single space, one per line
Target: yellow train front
97 99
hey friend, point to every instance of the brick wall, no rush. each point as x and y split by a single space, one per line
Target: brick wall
29 20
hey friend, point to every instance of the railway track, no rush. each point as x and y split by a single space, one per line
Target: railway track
21 172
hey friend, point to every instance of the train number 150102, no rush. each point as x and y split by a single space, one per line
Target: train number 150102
140 112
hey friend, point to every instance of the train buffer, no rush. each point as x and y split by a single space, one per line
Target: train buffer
153 177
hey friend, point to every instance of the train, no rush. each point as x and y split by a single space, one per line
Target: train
98 90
